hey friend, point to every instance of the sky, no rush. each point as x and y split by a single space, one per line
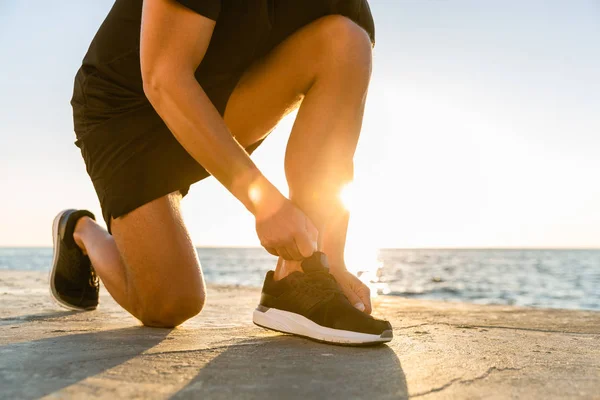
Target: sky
482 128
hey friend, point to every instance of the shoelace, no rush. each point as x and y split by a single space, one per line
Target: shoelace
319 283
94 280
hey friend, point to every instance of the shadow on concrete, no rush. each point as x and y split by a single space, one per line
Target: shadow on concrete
29 370
290 367
36 317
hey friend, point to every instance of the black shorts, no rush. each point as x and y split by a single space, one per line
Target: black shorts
131 156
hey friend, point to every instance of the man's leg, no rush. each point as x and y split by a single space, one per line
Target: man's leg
149 264
326 67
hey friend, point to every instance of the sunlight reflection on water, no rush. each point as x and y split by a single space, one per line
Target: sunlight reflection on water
364 262
543 278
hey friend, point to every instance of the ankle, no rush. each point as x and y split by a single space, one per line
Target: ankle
78 234
285 267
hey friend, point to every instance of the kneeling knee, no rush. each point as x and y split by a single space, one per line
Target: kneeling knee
170 313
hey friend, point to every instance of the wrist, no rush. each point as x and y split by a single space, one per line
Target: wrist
264 198
255 192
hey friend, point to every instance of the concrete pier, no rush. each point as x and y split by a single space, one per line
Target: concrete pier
440 350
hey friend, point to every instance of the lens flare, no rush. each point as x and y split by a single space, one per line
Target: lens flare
347 196
362 250
254 193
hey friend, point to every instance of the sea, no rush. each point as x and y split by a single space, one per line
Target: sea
568 279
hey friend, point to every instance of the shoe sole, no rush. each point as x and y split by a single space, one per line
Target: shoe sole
56 241
287 322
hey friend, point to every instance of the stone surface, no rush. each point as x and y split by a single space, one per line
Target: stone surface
440 350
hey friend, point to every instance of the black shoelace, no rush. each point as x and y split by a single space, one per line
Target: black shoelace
319 284
94 280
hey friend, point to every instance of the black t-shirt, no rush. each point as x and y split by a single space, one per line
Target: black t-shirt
113 54
208 8
239 36
109 83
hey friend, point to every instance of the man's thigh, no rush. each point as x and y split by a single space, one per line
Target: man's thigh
275 83
273 86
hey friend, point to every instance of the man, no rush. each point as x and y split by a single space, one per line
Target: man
171 91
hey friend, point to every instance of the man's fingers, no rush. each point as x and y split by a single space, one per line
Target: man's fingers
364 293
354 299
305 245
367 302
307 240
272 250
282 252
313 234
358 294
293 251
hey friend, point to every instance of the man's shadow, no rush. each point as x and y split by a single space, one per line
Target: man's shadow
48 316
287 367
267 368
32 369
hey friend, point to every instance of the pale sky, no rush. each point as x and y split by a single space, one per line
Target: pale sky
482 128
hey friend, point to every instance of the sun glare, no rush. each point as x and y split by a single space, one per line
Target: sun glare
254 193
361 248
347 195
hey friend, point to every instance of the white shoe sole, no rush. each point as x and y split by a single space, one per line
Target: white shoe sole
287 322
53 292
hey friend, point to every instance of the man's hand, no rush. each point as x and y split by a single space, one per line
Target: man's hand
285 231
355 290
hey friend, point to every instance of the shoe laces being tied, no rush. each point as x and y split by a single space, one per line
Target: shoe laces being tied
316 278
323 281
316 285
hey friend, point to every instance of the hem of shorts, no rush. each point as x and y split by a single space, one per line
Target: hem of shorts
116 212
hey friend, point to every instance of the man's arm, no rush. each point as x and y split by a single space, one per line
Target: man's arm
173 42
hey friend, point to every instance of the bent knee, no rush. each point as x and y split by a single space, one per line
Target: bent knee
342 51
165 312
344 40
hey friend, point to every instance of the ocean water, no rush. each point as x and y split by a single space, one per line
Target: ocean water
541 278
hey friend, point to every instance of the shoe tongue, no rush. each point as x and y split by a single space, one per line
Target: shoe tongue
315 263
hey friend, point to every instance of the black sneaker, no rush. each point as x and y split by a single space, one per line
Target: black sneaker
73 282
311 304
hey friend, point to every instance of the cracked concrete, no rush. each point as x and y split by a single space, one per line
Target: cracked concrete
464 381
440 351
